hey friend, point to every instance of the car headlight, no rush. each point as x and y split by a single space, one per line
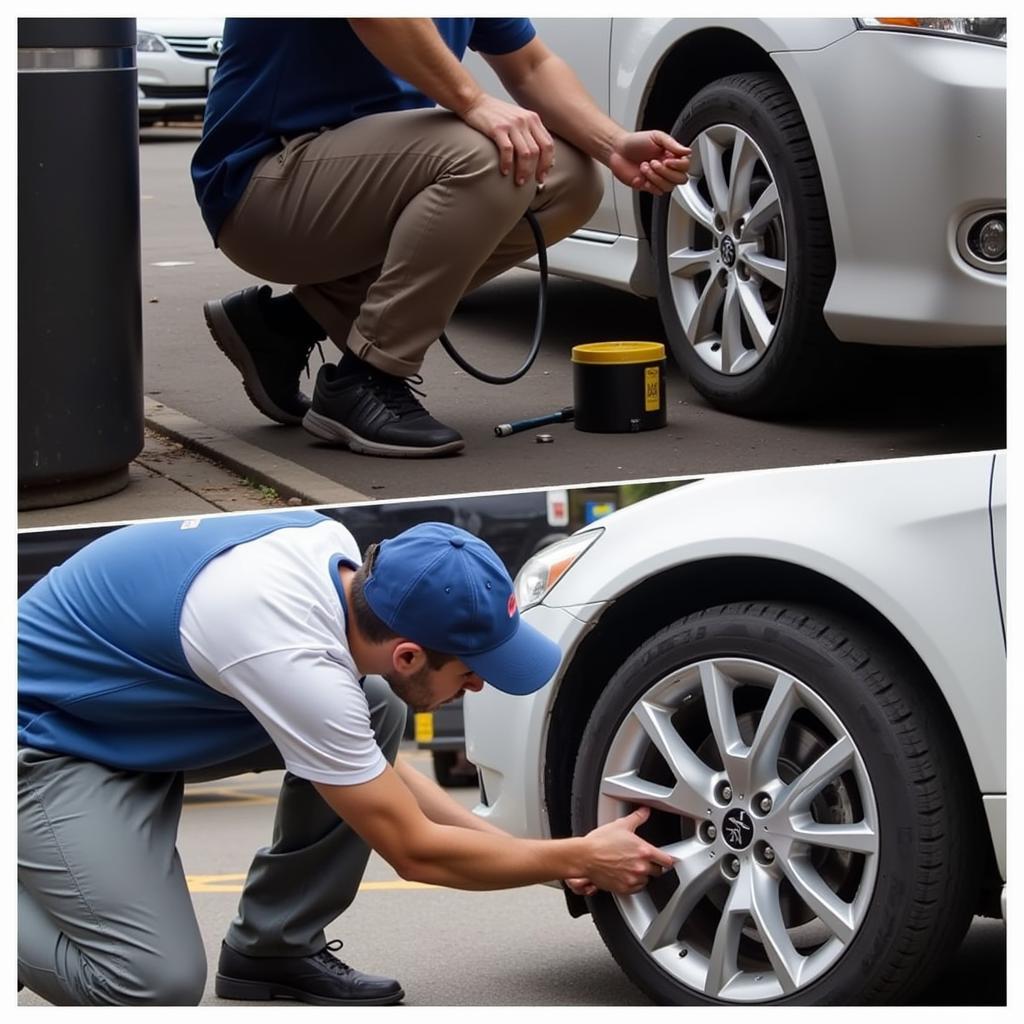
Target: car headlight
988 30
147 42
547 567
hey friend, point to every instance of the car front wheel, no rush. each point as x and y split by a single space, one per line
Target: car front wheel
744 252
807 782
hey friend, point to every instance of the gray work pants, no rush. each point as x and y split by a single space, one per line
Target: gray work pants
384 223
104 915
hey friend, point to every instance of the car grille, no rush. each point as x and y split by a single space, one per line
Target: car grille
192 47
174 92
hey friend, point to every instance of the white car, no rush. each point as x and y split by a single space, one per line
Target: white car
848 182
803 673
177 59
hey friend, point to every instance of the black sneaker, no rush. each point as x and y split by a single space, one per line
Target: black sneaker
270 362
376 414
321 979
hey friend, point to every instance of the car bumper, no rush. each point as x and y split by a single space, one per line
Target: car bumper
505 735
169 83
910 136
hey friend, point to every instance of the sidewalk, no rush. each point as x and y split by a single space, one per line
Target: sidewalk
188 468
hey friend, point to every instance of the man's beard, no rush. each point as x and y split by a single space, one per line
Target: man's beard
414 689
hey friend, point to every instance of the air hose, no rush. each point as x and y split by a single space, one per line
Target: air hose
538 327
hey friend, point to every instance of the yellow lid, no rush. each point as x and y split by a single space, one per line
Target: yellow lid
618 352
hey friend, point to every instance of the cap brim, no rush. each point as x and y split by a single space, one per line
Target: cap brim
521 665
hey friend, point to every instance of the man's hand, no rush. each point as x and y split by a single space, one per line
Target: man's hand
650 161
523 142
621 861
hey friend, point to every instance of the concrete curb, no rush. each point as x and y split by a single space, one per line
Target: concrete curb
289 479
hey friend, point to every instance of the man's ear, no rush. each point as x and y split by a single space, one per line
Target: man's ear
407 657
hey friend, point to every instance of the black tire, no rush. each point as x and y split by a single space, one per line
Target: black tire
930 831
447 771
792 374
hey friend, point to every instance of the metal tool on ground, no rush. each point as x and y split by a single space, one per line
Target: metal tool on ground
507 429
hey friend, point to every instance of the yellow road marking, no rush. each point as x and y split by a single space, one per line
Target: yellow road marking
233 883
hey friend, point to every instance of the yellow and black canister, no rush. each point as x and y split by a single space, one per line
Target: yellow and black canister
619 386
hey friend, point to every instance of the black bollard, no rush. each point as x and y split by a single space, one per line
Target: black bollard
79 276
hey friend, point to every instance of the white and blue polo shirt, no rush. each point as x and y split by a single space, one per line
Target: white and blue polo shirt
179 645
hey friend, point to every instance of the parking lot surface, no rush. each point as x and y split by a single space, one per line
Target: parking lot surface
518 947
889 403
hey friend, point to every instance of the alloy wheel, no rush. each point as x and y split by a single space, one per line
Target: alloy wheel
726 250
761 795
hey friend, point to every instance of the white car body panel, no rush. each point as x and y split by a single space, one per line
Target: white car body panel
929 110
912 538
168 71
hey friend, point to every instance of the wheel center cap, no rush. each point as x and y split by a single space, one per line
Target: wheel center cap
728 251
737 829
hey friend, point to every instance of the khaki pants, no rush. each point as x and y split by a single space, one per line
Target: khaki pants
385 223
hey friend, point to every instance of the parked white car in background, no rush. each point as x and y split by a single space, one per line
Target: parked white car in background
177 58
848 182
803 673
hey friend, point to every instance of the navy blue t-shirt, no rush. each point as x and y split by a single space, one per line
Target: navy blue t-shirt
282 77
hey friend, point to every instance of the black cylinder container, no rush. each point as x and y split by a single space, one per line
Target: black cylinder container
80 412
619 386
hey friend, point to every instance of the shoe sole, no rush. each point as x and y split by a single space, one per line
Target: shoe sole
265 992
230 343
337 433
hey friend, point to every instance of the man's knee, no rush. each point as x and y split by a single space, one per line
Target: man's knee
163 979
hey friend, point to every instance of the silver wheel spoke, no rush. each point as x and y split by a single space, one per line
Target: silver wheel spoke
693 204
762 213
858 837
744 159
761 328
714 173
733 349
694 779
702 320
632 789
796 798
771 731
722 714
689 262
770 269
833 912
697 873
767 913
722 964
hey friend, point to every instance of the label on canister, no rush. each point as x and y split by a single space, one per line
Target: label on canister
652 388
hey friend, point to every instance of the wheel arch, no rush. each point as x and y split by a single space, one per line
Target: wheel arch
693 62
657 601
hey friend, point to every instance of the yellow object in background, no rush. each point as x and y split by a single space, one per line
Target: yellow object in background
423 722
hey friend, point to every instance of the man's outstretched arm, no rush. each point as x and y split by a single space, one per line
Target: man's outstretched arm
385 813
540 80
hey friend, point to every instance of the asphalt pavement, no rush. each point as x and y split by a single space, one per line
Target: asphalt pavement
452 948
888 403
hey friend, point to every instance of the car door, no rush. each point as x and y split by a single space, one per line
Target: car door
584 44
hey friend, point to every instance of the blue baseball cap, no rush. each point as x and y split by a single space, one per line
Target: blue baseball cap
445 589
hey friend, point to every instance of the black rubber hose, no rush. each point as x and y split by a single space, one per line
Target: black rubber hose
538 327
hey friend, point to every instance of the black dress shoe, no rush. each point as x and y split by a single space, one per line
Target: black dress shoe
376 414
320 978
270 362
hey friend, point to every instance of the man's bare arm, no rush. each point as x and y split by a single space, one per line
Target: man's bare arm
413 49
385 813
540 80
